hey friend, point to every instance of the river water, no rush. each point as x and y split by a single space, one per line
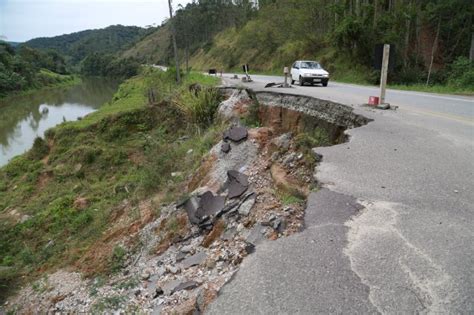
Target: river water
23 118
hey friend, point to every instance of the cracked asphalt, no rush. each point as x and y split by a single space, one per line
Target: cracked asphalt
391 232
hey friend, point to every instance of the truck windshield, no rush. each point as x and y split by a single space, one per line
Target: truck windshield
310 65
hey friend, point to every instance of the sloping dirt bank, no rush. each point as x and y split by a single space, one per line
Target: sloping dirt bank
251 187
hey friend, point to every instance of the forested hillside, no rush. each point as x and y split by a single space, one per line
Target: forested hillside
27 68
429 37
77 46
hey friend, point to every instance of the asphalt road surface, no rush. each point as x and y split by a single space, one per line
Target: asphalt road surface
393 229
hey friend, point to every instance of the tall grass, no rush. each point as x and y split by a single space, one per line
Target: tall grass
198 107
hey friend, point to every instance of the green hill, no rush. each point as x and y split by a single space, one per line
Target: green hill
76 46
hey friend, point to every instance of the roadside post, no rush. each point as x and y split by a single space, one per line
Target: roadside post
384 72
246 71
286 71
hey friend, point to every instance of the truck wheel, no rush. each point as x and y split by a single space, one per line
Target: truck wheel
292 82
301 81
325 84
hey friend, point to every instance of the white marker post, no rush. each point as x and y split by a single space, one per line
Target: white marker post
384 73
286 71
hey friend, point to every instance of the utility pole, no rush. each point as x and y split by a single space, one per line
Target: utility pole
175 47
384 72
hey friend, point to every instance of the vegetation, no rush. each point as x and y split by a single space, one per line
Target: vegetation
431 38
58 199
26 68
77 46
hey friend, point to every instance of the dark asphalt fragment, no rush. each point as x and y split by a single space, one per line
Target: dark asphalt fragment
225 147
188 285
236 134
210 204
237 183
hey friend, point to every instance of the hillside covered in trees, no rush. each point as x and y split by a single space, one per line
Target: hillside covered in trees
26 68
77 46
429 37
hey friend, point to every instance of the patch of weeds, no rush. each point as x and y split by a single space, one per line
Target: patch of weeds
98 283
252 119
128 284
117 260
108 303
288 199
306 141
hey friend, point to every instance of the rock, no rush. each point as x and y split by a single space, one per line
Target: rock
172 269
188 285
176 174
290 158
180 256
191 205
160 271
236 134
145 275
190 151
225 147
247 205
194 260
137 292
229 234
283 142
255 236
170 286
237 183
187 248
279 224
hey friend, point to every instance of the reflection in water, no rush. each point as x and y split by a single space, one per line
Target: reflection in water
23 118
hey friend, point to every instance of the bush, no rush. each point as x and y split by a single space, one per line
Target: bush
461 73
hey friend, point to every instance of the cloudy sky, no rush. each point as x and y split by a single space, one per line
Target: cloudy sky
21 20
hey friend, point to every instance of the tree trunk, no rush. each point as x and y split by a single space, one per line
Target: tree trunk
471 53
375 12
433 51
175 46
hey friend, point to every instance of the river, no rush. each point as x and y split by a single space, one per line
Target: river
25 117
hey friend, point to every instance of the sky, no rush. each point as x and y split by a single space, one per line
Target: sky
21 20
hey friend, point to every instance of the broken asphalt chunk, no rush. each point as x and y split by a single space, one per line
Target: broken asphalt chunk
225 147
210 205
188 285
194 260
237 183
236 134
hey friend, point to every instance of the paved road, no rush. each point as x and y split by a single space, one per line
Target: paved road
391 232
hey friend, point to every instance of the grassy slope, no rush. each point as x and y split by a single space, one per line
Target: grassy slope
124 151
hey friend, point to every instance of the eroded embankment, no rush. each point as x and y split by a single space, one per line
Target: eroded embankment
252 186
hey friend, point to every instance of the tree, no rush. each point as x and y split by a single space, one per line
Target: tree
175 47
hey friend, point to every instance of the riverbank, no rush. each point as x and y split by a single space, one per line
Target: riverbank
58 198
46 80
